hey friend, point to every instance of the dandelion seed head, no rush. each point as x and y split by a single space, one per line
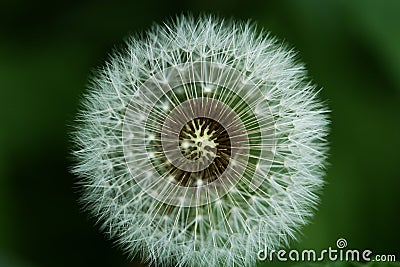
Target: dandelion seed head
201 144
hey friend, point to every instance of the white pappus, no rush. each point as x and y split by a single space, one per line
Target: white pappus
201 143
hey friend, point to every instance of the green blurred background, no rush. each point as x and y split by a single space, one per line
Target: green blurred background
49 48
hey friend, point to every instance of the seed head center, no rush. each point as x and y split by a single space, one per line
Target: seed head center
198 141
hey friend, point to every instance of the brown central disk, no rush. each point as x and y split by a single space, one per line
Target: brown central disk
199 138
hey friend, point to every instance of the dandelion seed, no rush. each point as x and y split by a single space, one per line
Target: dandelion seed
201 144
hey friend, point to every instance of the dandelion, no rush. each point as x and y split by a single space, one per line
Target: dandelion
201 144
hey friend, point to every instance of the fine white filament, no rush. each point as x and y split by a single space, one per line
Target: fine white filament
273 163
